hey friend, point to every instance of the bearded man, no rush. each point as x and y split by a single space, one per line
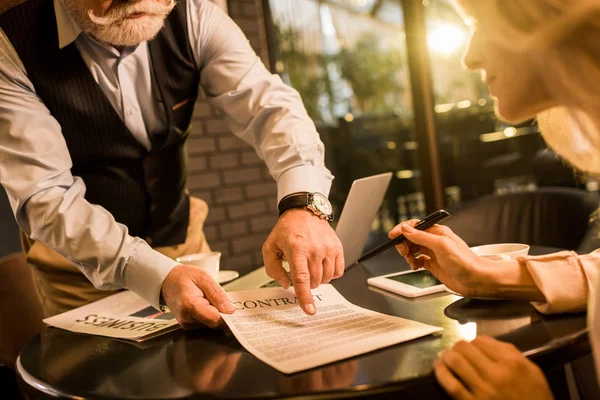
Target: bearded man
96 99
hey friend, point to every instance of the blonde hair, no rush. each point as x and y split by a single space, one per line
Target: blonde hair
564 36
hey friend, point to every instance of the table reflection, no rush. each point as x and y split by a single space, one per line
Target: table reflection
336 376
489 317
202 366
73 361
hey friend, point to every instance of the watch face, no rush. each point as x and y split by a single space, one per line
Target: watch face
322 204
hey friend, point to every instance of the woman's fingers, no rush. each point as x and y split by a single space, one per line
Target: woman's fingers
418 261
460 366
450 383
397 230
474 355
493 348
416 256
421 238
402 249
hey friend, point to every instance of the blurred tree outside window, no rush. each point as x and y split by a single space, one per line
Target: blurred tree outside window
342 59
347 59
373 74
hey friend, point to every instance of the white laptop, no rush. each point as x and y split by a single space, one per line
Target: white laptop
364 200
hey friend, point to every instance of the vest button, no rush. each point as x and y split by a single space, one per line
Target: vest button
148 240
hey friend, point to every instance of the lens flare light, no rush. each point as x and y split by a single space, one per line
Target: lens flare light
446 39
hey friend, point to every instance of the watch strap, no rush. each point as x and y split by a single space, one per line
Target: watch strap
162 304
294 201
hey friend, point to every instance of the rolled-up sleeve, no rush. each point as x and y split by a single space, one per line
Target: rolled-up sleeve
261 109
564 278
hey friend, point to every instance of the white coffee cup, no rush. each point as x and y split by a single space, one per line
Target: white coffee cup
209 262
501 251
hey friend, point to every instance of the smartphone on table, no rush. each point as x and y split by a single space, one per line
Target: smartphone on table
408 283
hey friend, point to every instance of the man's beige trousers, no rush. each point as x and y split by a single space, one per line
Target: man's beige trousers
62 286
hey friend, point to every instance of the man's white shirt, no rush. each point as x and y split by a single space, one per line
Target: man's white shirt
35 165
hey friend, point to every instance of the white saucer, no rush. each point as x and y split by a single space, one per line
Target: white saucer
227 275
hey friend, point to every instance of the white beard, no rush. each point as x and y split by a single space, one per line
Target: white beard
115 28
130 32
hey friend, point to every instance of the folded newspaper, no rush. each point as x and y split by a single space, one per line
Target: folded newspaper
123 315
272 327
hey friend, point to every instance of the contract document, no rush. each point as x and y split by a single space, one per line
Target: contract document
271 326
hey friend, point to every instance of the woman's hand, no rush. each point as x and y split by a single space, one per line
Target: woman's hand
446 256
489 369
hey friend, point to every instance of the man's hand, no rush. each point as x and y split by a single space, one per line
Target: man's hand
489 369
312 249
195 298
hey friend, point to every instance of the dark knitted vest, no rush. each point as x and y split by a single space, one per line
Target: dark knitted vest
143 190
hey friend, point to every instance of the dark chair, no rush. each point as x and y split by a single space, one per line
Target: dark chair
504 167
552 170
591 241
20 317
549 216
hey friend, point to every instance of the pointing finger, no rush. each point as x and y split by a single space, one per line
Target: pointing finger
301 279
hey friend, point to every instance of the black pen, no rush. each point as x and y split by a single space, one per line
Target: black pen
423 224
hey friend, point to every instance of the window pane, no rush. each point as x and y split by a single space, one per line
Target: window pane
480 154
348 61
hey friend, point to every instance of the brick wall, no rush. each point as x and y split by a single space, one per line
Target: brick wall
227 173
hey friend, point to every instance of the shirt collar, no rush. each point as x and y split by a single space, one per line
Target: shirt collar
68 29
